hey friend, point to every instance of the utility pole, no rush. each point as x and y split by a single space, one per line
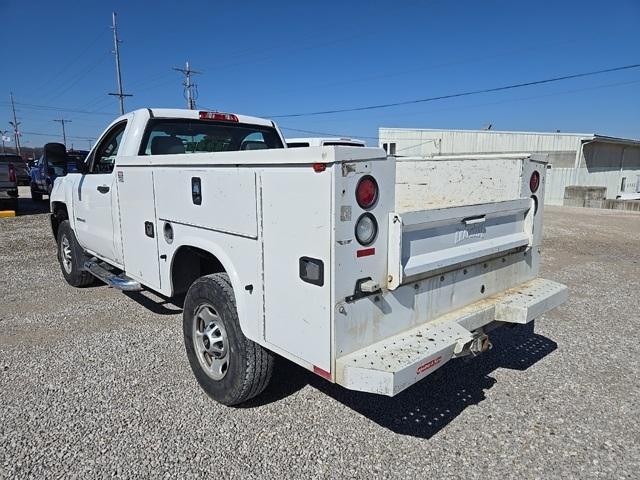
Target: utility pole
2 134
64 133
190 88
116 51
15 124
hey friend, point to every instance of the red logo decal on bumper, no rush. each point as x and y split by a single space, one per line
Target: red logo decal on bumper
430 364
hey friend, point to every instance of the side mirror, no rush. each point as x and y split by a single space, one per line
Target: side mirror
82 166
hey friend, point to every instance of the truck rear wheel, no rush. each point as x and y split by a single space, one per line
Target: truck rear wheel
228 366
71 257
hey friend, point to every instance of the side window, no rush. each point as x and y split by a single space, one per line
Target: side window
105 153
253 141
392 149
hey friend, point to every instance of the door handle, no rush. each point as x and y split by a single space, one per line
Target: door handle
103 189
474 220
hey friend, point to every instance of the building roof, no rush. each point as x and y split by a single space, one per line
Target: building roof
606 139
488 131
586 136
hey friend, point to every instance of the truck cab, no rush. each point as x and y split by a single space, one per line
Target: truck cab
368 270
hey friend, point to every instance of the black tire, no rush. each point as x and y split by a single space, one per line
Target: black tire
35 196
249 366
73 271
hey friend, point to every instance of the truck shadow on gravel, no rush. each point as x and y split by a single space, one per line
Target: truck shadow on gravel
26 206
430 405
157 304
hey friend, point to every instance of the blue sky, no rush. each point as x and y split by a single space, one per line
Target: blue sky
270 58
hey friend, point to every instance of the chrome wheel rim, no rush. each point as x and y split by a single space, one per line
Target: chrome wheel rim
210 342
65 254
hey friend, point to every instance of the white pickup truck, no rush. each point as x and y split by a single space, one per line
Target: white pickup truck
369 271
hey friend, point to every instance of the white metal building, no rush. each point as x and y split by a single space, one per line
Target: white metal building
575 158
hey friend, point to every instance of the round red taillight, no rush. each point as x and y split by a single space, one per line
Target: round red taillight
534 181
367 192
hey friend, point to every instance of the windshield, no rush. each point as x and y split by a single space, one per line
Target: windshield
177 136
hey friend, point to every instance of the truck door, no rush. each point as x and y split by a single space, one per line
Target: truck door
94 200
136 200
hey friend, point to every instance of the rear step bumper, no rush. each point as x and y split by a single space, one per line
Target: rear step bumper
121 282
394 364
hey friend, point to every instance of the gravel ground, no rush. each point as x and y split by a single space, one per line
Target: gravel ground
95 383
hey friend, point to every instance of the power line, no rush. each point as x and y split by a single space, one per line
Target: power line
43 134
393 72
298 47
190 88
78 77
326 134
533 97
60 73
116 52
521 99
32 106
457 95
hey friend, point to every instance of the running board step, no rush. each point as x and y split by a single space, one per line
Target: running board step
525 302
121 282
392 365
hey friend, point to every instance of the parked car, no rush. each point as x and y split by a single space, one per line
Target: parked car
368 271
55 162
8 186
21 166
324 142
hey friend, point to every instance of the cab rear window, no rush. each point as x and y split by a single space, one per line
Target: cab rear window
182 136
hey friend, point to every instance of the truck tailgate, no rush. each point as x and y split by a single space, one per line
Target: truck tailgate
425 242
